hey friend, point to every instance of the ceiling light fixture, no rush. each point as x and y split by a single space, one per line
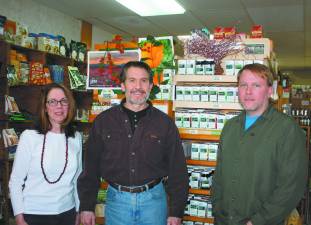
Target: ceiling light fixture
153 7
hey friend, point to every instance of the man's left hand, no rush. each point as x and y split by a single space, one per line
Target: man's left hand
173 221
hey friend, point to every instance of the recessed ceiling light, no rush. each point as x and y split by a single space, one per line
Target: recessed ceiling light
153 7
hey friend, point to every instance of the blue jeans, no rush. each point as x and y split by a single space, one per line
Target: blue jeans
145 208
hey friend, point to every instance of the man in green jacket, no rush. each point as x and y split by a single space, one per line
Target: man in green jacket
261 171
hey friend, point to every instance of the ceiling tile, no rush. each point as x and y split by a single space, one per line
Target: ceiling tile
210 4
289 18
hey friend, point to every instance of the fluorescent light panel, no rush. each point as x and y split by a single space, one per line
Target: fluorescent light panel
153 7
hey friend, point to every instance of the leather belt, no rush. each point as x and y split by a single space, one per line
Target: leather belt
136 189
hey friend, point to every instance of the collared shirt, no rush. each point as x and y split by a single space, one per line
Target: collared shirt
261 172
120 156
134 117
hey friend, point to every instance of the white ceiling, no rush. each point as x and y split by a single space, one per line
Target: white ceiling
286 22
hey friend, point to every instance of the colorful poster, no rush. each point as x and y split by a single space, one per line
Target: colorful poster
104 67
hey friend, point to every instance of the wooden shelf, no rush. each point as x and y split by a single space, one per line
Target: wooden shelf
206 105
204 79
199 134
100 220
201 162
199 219
199 191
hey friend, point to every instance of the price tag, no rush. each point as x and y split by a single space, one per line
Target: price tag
216 78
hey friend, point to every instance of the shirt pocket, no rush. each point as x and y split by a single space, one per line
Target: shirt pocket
153 147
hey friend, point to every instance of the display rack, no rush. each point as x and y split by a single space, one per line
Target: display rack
27 97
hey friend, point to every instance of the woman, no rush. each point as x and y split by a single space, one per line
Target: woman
47 164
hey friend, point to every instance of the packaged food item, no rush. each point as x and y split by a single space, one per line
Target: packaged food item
218 33
73 50
32 41
257 31
229 31
10 31
63 49
11 75
47 75
44 42
54 45
81 51
36 73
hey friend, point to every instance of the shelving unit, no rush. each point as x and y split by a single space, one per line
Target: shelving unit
207 105
202 134
26 97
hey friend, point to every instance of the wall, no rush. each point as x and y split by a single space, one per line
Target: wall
41 19
100 36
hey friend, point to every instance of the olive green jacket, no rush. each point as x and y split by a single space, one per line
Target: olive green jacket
261 173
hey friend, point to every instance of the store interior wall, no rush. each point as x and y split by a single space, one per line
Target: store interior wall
41 19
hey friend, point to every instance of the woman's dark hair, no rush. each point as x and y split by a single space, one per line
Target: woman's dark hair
43 124
137 64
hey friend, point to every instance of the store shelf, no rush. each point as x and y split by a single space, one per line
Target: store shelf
199 134
206 105
198 219
199 191
204 79
201 162
100 220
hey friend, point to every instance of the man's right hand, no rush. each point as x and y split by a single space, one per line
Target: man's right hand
87 218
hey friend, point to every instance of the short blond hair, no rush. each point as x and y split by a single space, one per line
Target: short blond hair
260 70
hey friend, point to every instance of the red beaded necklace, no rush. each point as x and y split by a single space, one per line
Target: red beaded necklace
42 155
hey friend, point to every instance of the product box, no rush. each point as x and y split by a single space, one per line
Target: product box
195 120
196 93
166 92
195 179
187 93
199 66
212 151
209 67
193 207
179 119
221 118
204 93
257 31
238 64
202 209
203 120
168 75
180 90
219 33
203 149
186 120
212 120
231 94
213 93
221 94
247 62
195 151
182 66
190 67
229 67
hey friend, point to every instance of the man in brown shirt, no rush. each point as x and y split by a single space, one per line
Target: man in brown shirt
133 146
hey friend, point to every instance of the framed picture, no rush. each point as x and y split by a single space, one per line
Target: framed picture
104 67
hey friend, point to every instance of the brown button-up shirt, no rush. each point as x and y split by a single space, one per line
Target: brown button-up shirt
118 155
